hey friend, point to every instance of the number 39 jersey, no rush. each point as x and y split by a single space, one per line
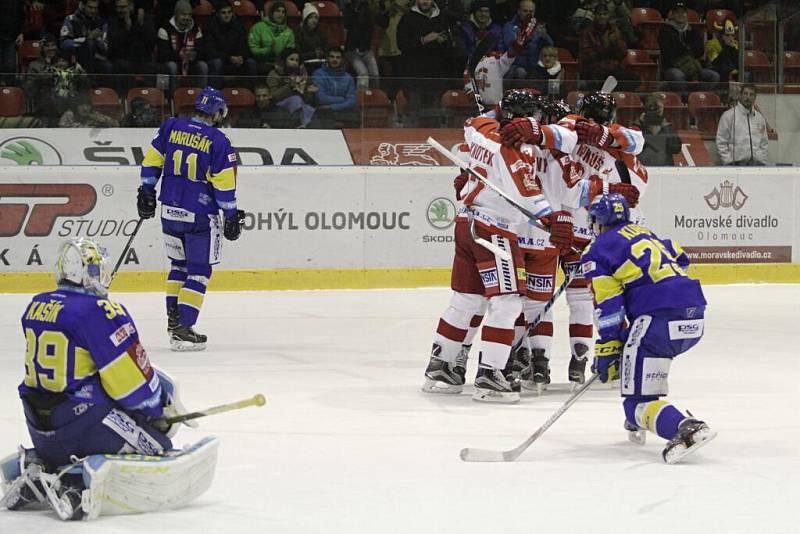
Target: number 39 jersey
633 273
198 166
87 348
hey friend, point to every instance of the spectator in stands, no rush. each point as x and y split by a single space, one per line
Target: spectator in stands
602 51
480 25
141 115
131 41
288 83
83 35
619 17
660 138
742 132
681 51
163 9
389 55
558 16
722 51
11 26
311 42
226 46
527 60
38 81
359 24
266 113
336 95
548 74
270 36
181 47
80 115
69 81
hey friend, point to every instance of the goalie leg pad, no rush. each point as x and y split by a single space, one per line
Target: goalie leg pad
133 483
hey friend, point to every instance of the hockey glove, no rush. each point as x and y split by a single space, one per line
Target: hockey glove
146 203
233 226
606 360
171 400
459 183
591 133
628 191
562 233
521 130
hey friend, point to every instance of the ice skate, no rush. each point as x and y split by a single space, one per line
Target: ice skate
577 365
443 377
692 434
460 365
173 318
538 375
635 434
492 386
185 339
519 363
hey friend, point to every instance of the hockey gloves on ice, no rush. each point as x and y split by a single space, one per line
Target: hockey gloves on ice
606 359
233 226
521 130
562 233
146 203
591 133
628 191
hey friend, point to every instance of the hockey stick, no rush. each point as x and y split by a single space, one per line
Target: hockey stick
127 246
486 455
257 400
481 49
488 245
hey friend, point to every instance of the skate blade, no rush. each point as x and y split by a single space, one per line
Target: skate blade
495 397
638 437
440 388
186 346
677 454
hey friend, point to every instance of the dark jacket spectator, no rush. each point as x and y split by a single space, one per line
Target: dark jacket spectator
266 113
226 45
722 52
681 50
311 42
425 38
529 57
181 46
39 78
602 51
11 28
660 138
84 36
81 115
141 115
480 25
271 36
131 41
359 24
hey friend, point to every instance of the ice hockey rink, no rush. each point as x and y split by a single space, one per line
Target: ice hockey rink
347 443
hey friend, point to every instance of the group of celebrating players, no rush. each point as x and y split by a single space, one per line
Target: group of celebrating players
579 176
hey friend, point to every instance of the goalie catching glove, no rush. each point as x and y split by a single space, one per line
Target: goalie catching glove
562 233
591 133
521 130
606 359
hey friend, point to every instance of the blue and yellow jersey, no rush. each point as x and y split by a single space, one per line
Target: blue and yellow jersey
198 166
87 348
633 273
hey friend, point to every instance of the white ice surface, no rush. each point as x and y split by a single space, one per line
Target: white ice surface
347 443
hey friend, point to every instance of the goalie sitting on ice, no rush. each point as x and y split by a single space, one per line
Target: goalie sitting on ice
93 405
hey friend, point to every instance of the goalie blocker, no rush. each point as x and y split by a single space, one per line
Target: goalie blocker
110 484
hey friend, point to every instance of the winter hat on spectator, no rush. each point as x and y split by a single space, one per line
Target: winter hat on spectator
308 9
679 6
479 4
182 6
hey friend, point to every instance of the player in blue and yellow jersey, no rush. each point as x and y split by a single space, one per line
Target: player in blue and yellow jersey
641 278
197 165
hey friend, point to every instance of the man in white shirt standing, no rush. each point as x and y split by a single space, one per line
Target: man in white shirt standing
742 132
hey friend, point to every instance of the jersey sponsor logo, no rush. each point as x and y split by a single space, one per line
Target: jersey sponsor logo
489 278
690 329
121 334
232 157
171 213
81 199
539 283
655 373
519 164
588 266
139 356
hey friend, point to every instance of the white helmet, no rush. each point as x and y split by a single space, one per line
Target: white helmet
84 263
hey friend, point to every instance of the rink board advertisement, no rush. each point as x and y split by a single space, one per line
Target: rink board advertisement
127 146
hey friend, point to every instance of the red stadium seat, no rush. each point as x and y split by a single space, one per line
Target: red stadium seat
12 102
246 11
28 51
629 106
716 18
706 108
674 110
106 101
183 100
202 12
457 106
331 22
694 18
377 109
758 66
791 67
647 21
152 94
639 61
570 66
238 98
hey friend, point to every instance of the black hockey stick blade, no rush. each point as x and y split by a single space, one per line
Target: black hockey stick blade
482 47
624 173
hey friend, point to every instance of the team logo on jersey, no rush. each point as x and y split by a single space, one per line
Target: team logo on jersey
121 334
726 197
539 283
441 213
489 278
519 164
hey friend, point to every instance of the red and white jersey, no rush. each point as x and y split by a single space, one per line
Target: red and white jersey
489 74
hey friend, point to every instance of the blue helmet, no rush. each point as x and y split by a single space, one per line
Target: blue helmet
210 101
609 210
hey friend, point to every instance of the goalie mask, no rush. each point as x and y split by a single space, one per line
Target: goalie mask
518 103
598 106
608 210
83 263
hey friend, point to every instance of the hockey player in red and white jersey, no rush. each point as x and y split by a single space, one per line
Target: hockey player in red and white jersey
483 272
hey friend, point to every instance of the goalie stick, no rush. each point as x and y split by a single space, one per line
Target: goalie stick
256 400
487 455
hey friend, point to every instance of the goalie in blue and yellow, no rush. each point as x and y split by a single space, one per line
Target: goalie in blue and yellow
648 311
197 165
